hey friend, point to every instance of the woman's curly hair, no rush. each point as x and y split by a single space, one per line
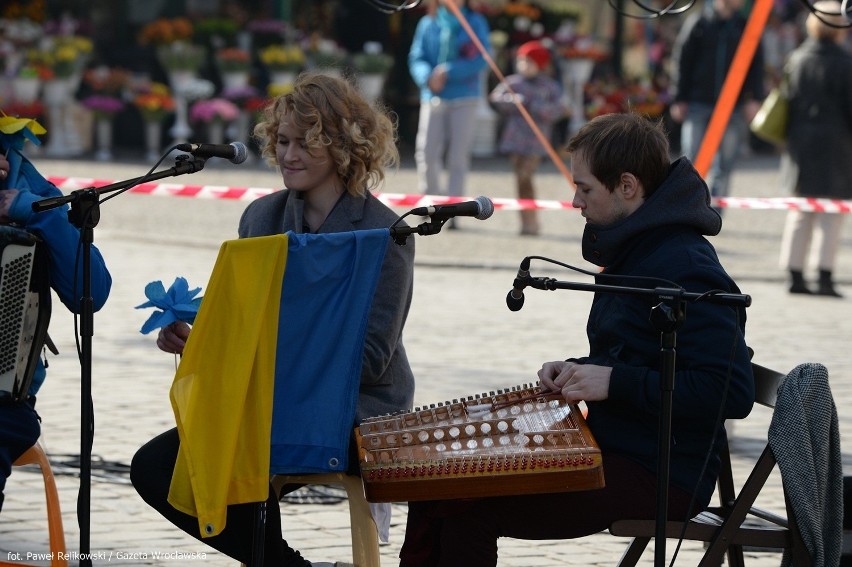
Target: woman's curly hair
360 137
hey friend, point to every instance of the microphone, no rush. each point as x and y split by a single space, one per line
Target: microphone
235 152
480 208
515 298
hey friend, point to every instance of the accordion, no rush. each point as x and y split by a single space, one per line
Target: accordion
25 301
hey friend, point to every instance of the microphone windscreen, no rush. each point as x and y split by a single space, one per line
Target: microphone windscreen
486 207
240 152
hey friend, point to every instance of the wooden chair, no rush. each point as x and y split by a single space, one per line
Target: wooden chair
365 536
35 456
735 523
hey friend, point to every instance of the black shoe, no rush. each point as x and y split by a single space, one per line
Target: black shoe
293 558
800 288
829 291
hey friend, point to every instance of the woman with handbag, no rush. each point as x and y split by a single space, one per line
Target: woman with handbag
815 162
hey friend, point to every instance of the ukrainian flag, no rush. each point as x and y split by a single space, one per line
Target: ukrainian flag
268 381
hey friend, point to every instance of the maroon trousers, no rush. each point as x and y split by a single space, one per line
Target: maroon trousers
447 533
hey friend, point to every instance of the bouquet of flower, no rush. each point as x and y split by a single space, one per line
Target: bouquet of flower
180 56
372 60
66 56
216 31
164 31
106 80
35 71
282 58
231 59
267 32
213 109
103 106
154 102
325 54
240 95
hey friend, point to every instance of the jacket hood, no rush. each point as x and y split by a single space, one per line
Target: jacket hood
683 199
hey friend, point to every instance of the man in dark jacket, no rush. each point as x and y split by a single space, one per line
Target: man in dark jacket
646 222
702 54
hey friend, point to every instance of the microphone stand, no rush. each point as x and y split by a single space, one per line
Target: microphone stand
85 214
666 317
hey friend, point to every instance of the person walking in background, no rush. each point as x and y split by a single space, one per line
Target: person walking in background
702 55
446 66
541 95
816 161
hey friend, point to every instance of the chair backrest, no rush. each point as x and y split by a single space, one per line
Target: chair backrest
766 383
725 527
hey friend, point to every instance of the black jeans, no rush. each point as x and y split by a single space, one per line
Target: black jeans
151 474
19 430
465 532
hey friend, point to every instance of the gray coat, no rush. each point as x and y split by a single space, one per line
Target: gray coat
819 131
387 383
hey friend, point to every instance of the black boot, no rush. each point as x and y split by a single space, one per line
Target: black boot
797 283
826 285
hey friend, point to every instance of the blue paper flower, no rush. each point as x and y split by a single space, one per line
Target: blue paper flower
178 304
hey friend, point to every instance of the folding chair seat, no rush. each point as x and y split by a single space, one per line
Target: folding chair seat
736 522
35 456
365 537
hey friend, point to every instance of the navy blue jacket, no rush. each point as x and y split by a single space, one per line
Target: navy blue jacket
663 240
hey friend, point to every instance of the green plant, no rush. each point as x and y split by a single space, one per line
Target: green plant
180 56
373 63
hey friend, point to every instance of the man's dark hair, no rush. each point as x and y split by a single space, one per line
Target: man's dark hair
613 144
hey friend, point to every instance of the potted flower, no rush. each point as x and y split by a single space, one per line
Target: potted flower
26 84
372 63
154 103
180 57
234 64
164 31
214 113
104 107
282 62
326 56
373 66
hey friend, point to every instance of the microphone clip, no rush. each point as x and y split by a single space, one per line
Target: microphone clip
401 233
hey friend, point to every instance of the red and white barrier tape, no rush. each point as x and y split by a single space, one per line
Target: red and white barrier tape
400 200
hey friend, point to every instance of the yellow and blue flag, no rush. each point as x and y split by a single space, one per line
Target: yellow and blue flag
268 381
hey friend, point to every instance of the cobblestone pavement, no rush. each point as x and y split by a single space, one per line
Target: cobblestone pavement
460 337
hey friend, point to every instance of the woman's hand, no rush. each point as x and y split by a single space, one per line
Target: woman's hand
172 337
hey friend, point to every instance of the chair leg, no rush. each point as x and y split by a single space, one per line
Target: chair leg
365 539
35 456
634 552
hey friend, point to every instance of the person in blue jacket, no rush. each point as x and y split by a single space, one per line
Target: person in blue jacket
447 67
646 222
21 185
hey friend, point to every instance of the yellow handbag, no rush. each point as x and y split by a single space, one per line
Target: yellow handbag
770 122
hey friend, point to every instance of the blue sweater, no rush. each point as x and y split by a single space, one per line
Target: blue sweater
664 240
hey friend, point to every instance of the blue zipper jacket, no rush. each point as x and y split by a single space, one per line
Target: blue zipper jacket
441 39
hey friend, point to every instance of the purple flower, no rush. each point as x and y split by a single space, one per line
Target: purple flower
103 104
208 110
